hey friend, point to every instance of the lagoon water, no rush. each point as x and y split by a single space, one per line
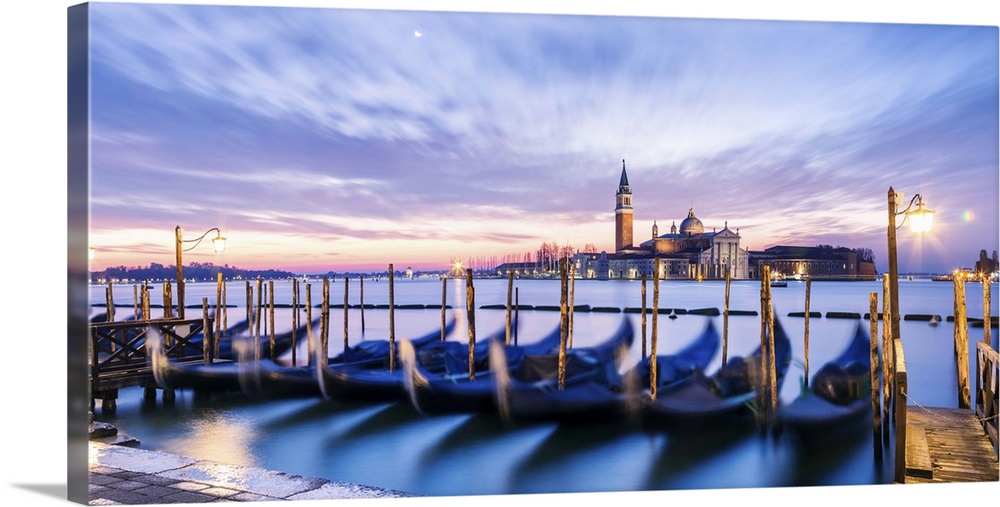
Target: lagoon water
393 446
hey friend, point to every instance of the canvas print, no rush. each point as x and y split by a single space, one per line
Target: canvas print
339 253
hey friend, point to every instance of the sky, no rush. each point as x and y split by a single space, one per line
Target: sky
338 139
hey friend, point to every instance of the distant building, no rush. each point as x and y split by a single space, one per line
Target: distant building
687 252
986 264
819 262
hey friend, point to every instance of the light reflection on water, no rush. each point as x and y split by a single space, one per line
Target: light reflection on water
392 446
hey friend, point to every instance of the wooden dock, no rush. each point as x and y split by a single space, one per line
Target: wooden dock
948 445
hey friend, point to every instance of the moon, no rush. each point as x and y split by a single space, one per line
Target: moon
417 34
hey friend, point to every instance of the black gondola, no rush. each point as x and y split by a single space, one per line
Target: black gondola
838 400
433 393
608 395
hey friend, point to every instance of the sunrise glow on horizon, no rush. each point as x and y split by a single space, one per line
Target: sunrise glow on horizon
345 140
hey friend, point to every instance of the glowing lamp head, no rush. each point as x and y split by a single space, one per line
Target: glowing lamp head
921 219
219 243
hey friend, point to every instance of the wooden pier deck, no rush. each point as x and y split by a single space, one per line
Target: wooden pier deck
948 445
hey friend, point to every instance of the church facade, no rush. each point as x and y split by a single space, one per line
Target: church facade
686 252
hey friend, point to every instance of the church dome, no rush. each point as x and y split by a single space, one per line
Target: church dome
691 224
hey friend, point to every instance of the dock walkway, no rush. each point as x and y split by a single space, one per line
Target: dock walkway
948 445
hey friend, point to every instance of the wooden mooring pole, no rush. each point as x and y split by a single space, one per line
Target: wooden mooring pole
218 306
444 301
766 330
725 320
572 303
392 320
324 331
874 373
510 290
805 335
295 318
643 318
167 304
109 296
270 320
470 310
563 323
961 343
987 337
656 333
888 361
310 337
346 290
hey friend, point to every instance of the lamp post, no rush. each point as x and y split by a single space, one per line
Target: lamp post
218 243
921 220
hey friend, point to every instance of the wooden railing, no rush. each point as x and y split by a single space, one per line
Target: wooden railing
899 390
118 355
987 388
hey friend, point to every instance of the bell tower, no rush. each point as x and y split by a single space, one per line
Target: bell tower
623 213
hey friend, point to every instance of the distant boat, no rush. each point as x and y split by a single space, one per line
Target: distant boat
779 280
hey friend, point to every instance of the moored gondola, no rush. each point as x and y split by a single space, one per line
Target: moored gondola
608 395
728 397
437 393
837 402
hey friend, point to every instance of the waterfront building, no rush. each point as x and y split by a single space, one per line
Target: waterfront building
819 262
686 252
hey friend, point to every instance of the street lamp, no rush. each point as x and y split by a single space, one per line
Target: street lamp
921 219
218 243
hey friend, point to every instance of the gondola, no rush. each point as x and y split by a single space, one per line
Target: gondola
265 378
433 393
725 398
608 395
838 400
380 381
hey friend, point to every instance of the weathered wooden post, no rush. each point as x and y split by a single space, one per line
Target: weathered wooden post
270 318
145 302
725 320
888 361
510 290
563 323
346 338
324 332
874 369
249 306
135 301
259 307
206 345
167 310
643 317
295 319
765 304
772 366
572 303
961 343
805 336
470 311
218 306
225 319
109 296
392 319
656 329
310 338
987 336
444 304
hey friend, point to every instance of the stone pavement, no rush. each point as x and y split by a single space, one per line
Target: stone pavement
123 474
